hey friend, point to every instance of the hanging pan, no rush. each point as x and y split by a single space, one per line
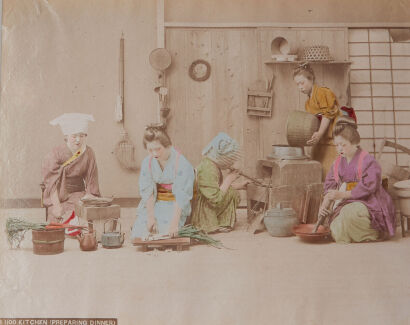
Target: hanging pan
160 59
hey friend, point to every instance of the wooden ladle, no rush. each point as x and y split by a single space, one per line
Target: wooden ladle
321 219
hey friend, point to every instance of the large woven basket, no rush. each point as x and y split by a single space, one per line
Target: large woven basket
316 53
300 128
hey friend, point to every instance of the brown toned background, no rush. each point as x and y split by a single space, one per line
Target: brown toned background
62 56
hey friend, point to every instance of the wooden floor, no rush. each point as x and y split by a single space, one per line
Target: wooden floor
258 279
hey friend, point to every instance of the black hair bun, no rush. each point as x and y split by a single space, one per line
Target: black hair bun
346 121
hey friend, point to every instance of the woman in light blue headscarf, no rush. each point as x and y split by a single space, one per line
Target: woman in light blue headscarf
214 207
166 185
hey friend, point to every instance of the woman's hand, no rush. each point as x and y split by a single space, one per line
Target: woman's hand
151 224
315 138
173 229
324 125
228 180
325 210
232 176
241 185
324 213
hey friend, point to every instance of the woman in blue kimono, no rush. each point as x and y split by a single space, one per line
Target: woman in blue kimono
166 186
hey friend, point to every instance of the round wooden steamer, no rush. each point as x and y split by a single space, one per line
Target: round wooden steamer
300 127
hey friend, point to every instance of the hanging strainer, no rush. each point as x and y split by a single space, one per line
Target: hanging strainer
125 152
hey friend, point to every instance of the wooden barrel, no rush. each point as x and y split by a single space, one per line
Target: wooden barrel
300 128
48 242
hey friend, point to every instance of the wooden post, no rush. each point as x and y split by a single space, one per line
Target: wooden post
160 44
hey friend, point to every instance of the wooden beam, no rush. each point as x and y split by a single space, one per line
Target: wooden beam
31 203
160 24
160 43
1 16
285 25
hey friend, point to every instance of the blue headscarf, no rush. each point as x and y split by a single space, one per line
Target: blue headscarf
221 147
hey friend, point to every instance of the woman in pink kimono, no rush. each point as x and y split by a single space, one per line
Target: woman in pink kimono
69 171
363 210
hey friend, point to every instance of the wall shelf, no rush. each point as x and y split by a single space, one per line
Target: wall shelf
310 62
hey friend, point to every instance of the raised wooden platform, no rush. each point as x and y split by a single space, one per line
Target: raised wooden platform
179 243
30 203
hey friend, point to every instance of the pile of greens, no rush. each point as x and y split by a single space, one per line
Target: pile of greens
199 235
16 228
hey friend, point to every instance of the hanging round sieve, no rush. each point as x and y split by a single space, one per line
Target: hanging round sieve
160 59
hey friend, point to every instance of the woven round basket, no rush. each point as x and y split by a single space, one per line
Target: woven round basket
300 128
316 53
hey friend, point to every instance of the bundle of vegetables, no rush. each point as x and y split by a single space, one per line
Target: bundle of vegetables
199 235
16 228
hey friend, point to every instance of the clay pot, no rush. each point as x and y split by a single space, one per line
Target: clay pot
280 222
305 232
88 241
403 192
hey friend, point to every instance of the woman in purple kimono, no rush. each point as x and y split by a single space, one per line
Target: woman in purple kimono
363 210
69 171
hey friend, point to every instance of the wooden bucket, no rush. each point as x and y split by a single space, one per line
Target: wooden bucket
48 242
300 128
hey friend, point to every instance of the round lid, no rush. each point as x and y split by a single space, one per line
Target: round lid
288 211
277 212
274 212
160 59
402 185
111 234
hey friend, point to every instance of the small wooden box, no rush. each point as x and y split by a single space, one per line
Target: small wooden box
290 172
97 216
179 243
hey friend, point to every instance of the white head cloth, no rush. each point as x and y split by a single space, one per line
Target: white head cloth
73 123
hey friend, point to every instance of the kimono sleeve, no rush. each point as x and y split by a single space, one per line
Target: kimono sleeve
50 171
208 183
91 179
327 103
183 185
330 182
146 182
371 179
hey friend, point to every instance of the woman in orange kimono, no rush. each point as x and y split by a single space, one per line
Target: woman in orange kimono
322 102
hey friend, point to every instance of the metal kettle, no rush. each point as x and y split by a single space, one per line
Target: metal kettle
113 239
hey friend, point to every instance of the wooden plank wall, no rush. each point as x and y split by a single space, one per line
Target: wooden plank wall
202 109
286 95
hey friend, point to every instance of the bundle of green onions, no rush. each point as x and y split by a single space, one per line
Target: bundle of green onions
16 228
199 235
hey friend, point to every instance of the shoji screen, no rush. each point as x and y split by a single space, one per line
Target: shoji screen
380 89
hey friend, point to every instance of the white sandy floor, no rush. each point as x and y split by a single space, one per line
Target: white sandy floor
261 280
